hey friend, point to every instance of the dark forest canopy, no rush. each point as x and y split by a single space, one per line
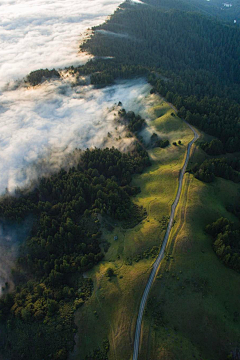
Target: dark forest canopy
198 56
37 318
171 40
192 60
214 8
226 242
38 76
218 167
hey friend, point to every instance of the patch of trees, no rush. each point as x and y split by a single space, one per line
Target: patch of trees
155 141
226 242
214 147
227 168
211 168
38 76
195 42
135 123
110 272
104 72
37 317
219 118
211 8
198 56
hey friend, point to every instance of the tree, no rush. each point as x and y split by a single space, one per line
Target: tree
110 272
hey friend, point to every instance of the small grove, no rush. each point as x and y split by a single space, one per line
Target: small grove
226 242
37 76
217 167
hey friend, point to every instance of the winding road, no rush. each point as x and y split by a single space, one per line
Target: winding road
161 253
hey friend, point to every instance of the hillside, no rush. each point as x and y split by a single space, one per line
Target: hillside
213 8
193 61
98 226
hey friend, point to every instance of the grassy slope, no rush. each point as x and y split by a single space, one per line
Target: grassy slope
116 302
196 293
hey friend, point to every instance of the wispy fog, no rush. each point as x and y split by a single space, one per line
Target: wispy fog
47 122
10 240
118 35
42 33
41 126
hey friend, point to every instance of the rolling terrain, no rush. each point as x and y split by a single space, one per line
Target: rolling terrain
192 286
115 303
120 262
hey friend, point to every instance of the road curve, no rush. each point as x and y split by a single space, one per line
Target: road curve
161 253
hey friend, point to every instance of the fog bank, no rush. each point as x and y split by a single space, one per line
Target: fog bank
46 34
41 125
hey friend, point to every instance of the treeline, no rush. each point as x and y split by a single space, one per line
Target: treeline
155 141
37 318
213 8
216 116
198 56
214 147
218 167
38 76
134 123
196 42
106 72
226 242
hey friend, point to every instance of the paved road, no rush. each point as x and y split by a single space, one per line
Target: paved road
161 253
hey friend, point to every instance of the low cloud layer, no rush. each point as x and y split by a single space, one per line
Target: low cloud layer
43 124
39 126
39 34
118 35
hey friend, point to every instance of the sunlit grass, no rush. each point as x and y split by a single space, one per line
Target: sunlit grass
112 310
200 320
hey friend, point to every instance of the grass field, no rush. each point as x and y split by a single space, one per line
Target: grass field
194 310
195 296
112 310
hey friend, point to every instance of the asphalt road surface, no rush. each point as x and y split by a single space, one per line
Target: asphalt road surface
161 253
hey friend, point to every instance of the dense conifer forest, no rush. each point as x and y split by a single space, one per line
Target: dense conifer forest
191 59
36 77
218 167
226 242
64 242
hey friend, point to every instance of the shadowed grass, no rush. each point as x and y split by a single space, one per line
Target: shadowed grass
199 296
112 310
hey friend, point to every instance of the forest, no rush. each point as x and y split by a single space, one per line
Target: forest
226 242
38 76
194 62
212 8
36 320
217 167
191 59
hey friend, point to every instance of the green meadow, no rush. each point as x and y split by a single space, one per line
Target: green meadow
195 297
193 305
112 310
